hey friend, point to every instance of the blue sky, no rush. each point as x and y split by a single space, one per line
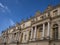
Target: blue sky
12 11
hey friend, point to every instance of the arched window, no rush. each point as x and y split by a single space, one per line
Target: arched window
55 31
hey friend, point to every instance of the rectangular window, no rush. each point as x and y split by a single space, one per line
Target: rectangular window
55 33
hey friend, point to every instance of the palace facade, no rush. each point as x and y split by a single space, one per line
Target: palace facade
42 29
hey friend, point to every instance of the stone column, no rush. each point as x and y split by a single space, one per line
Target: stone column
31 37
43 30
35 31
59 30
48 31
20 35
17 37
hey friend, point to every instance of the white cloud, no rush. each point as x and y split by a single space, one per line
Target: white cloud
7 9
11 22
4 8
1 5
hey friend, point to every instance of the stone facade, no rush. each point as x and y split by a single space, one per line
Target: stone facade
42 29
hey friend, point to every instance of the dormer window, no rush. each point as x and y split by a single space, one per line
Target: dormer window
55 12
43 17
16 27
